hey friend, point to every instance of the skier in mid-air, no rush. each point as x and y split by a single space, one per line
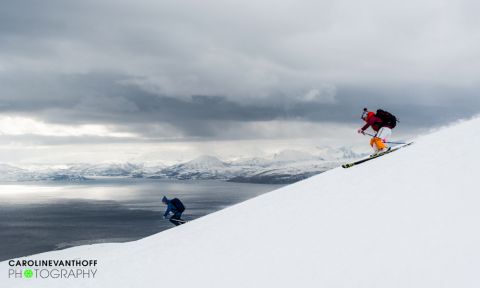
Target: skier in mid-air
176 207
382 125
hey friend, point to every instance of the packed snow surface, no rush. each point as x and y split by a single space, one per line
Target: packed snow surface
408 219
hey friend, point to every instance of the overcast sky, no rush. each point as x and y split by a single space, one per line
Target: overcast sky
169 80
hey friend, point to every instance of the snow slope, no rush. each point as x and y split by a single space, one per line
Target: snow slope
408 219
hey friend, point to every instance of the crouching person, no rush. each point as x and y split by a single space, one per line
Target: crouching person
176 207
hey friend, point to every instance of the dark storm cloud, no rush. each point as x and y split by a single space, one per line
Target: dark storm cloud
100 98
191 69
36 140
105 98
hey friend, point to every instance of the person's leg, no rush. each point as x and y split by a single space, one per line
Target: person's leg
179 214
373 144
384 134
379 144
175 219
380 138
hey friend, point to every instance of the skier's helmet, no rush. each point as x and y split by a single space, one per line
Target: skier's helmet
366 114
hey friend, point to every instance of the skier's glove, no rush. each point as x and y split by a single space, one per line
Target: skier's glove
361 131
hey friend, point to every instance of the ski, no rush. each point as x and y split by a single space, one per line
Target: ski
371 157
179 220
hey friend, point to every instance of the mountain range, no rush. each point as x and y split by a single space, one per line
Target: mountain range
286 166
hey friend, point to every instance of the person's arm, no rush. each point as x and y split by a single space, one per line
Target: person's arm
369 123
169 208
365 127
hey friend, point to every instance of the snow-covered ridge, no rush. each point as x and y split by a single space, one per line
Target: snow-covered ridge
407 219
283 167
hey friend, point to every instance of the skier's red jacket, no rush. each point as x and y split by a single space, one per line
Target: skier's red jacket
373 121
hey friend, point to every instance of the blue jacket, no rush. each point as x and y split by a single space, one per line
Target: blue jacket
170 208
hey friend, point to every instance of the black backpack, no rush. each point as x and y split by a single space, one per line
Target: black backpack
389 120
178 204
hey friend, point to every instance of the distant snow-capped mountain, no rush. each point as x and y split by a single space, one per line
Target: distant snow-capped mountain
205 162
203 167
335 154
105 169
286 166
